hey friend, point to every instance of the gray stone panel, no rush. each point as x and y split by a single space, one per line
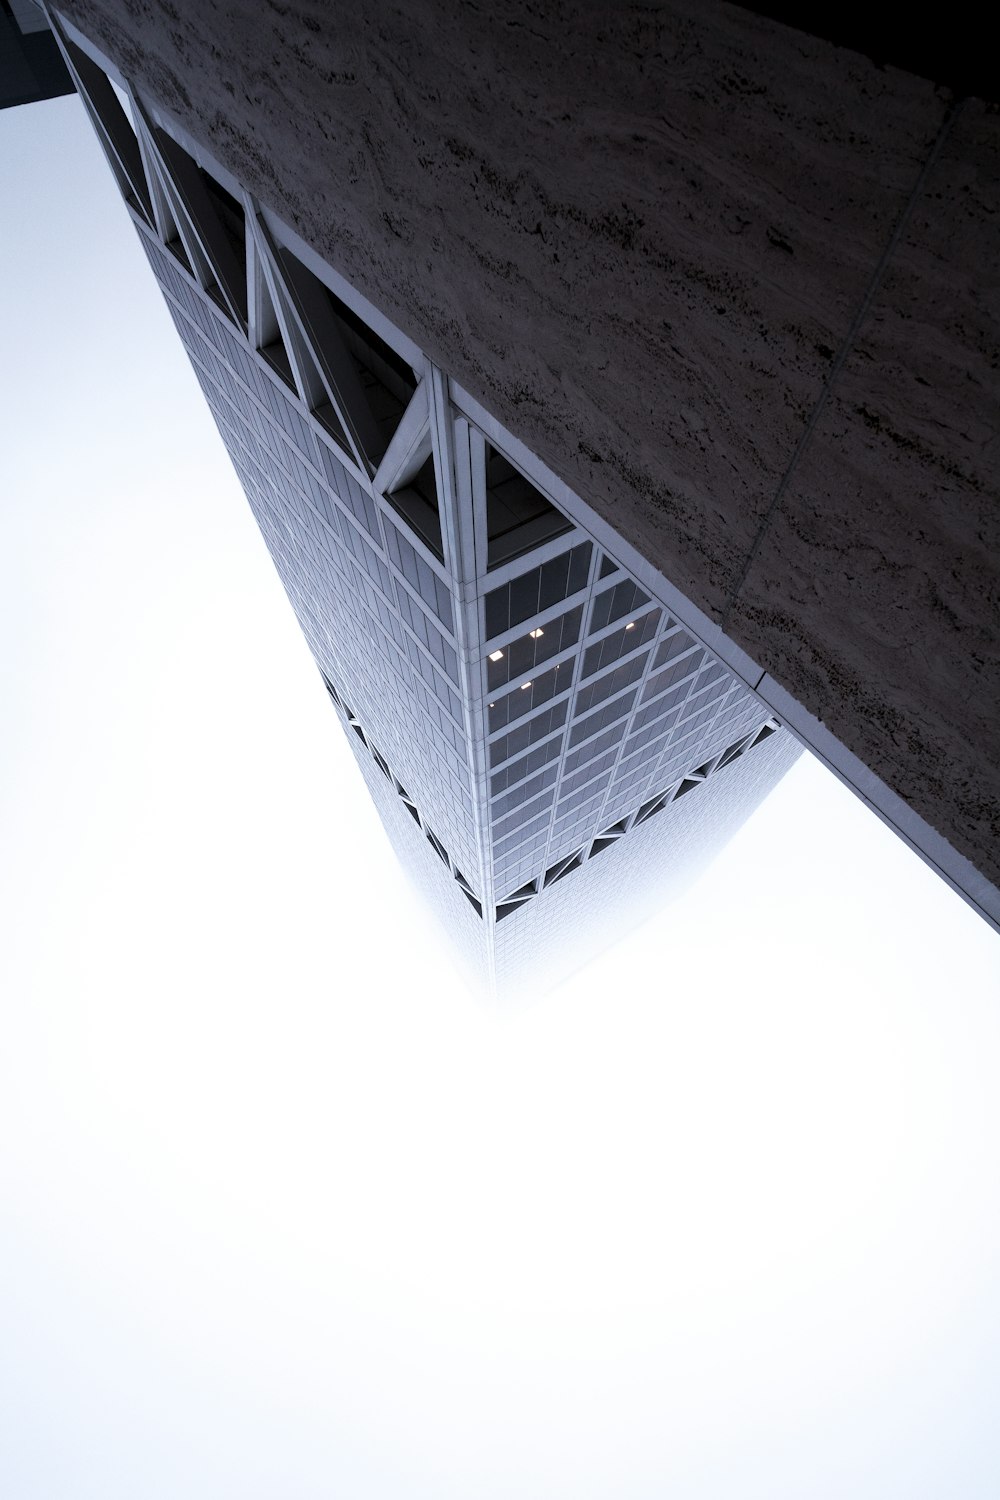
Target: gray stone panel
877 583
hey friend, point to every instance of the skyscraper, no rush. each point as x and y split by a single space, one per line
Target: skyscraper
731 279
551 748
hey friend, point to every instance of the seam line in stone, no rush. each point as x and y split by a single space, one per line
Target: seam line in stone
951 115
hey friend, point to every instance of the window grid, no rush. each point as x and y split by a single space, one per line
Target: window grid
613 711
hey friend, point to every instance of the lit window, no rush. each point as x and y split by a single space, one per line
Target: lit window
630 625
496 656
524 686
536 634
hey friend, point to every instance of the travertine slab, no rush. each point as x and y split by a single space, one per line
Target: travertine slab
877 584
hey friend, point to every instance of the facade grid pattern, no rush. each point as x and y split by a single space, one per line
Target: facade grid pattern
536 704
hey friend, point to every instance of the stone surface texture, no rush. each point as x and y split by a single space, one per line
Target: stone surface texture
737 287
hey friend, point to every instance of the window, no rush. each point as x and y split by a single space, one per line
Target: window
270 340
417 503
711 674
437 846
349 492
426 631
230 217
476 905
562 867
588 772
671 646
604 717
678 671
370 385
518 517
105 103
533 787
621 599
527 733
419 575
526 766
584 794
515 900
532 593
538 826
612 682
603 743
522 817
664 712
654 805
534 647
219 225
630 637
529 696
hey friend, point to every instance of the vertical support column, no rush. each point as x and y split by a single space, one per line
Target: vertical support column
453 473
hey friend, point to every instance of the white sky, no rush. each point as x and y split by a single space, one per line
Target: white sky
283 1210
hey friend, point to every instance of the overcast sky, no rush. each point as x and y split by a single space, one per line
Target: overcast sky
287 1212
